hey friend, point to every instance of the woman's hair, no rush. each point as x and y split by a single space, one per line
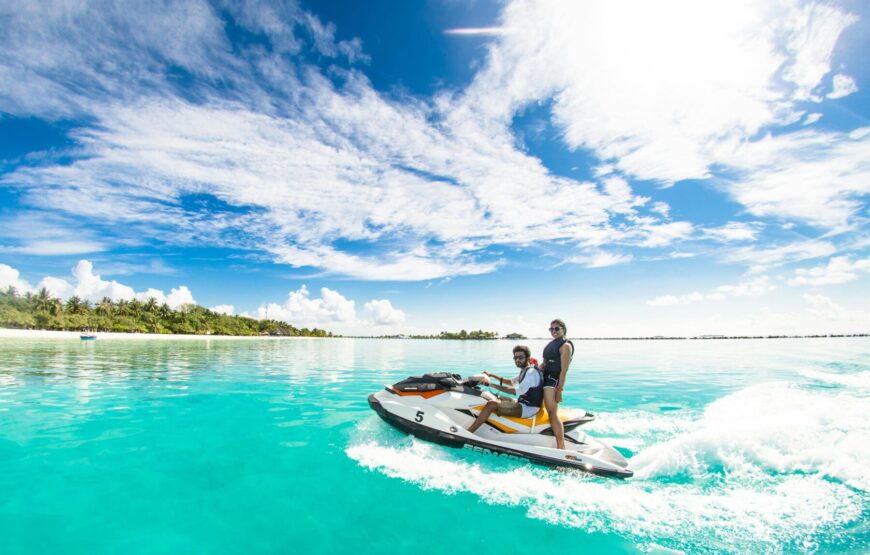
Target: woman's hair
523 349
561 324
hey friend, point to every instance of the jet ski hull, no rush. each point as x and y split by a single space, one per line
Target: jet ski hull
413 428
443 430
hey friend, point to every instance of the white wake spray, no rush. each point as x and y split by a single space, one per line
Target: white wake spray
772 427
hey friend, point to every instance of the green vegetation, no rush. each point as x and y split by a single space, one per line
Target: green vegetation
42 311
479 334
515 336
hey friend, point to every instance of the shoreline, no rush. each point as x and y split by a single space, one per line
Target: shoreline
12 333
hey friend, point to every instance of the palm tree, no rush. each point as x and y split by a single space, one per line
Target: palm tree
151 305
164 311
74 305
42 301
11 291
55 307
123 307
105 308
135 308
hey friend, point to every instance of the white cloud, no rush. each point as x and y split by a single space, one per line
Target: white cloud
734 231
664 300
751 288
818 178
838 270
750 65
92 287
478 31
600 259
89 286
383 314
51 248
662 208
726 87
179 296
814 29
824 307
46 234
301 310
10 277
151 293
844 85
308 162
811 118
761 259
332 311
227 309
662 235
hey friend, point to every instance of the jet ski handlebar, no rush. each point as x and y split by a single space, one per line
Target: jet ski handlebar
475 380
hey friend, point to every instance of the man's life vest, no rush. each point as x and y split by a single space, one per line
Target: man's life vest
534 397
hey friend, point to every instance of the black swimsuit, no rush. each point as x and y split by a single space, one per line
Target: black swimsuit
553 370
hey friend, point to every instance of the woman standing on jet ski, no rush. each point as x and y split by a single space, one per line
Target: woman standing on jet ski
556 359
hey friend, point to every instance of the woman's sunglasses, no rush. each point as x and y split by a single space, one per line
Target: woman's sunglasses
557 328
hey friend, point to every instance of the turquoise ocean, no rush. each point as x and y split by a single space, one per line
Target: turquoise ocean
269 446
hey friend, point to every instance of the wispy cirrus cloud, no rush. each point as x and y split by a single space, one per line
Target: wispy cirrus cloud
839 269
46 235
318 169
734 231
600 259
762 258
814 177
752 67
843 85
724 88
478 31
753 287
300 166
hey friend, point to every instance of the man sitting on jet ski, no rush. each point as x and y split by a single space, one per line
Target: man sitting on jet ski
529 385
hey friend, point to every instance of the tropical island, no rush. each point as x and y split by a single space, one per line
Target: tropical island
42 311
462 335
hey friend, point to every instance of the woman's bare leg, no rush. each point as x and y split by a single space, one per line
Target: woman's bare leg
553 411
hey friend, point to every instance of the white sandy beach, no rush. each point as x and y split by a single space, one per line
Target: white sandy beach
50 334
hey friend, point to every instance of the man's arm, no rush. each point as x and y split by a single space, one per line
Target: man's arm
503 388
500 386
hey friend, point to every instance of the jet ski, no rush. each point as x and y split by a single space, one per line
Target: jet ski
439 407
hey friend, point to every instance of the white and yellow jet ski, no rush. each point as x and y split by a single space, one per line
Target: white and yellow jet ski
439 407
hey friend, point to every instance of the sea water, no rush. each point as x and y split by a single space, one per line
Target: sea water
264 446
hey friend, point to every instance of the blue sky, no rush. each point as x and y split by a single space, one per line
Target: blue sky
634 168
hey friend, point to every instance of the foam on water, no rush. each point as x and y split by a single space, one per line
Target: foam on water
769 467
771 427
858 382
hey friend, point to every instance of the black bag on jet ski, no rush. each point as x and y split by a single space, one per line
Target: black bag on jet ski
428 382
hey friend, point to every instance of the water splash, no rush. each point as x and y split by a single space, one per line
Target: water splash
771 428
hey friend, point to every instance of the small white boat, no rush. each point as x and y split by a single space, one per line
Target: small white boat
87 336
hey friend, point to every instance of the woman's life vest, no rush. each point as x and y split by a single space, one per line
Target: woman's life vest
534 397
553 357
